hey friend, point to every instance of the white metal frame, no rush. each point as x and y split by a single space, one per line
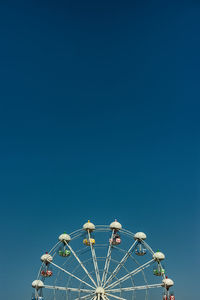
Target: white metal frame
109 280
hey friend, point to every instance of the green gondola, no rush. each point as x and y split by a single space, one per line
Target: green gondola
159 271
64 253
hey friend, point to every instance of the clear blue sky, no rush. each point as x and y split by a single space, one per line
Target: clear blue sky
99 114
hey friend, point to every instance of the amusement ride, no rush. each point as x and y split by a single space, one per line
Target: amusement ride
102 263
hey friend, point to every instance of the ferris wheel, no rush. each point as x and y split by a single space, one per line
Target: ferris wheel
102 263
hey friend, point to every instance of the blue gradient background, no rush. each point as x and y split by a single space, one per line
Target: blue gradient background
99 113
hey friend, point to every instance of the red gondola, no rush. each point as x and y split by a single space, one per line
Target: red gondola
116 240
46 273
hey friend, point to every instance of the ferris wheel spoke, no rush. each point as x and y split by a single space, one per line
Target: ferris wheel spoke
93 298
134 288
108 258
120 265
70 274
94 258
54 287
104 297
114 296
132 273
84 297
80 262
147 246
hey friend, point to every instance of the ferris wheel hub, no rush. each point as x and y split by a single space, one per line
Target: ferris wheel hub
100 290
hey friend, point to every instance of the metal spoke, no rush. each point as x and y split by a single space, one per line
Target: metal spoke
70 274
83 267
84 297
134 272
122 262
107 262
67 289
148 247
94 298
134 288
115 296
104 297
94 260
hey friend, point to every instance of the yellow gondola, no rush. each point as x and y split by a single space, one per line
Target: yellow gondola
87 242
